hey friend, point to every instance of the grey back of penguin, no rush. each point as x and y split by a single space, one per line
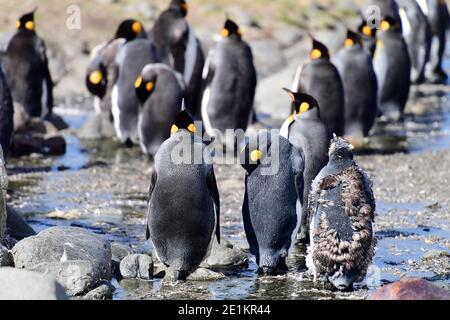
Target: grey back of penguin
360 89
130 60
6 114
182 217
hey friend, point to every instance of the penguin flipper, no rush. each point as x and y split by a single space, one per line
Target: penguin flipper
150 191
214 193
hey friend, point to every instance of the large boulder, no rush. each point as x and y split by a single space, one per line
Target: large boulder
224 255
411 289
18 284
79 259
3 188
137 266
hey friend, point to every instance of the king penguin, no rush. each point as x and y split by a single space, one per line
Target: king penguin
393 69
369 37
417 34
310 135
132 57
6 114
439 18
181 49
272 204
160 91
26 68
184 204
360 86
342 209
230 84
320 79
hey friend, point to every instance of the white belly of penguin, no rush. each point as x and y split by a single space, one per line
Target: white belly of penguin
44 108
116 112
205 117
298 211
140 135
423 4
405 22
190 56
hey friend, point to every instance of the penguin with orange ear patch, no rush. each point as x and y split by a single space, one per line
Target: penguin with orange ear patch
26 68
273 199
320 79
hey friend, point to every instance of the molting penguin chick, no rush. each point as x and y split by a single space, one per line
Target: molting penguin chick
360 86
392 66
184 205
417 34
230 84
160 91
6 114
321 79
342 209
26 68
180 48
273 199
309 134
130 60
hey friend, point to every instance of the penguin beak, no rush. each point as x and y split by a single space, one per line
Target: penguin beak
290 93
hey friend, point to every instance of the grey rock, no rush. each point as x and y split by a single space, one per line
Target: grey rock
203 274
102 292
137 266
3 188
119 252
224 255
76 256
434 254
18 284
268 56
16 226
98 126
6 259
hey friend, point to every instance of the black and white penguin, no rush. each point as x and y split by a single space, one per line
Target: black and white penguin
230 84
309 134
417 34
272 206
342 209
320 79
181 49
439 18
360 86
160 91
369 37
184 204
132 57
393 69
26 68
6 114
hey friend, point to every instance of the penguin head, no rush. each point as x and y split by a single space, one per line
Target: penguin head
341 148
254 151
183 121
352 39
390 24
366 30
144 86
319 51
96 81
26 22
181 5
231 29
301 102
130 29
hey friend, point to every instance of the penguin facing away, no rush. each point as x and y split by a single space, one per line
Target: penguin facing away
310 136
360 86
320 79
160 91
180 48
392 66
6 114
229 84
184 205
272 204
26 68
130 60
342 210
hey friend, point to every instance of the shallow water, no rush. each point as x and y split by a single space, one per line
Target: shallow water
102 186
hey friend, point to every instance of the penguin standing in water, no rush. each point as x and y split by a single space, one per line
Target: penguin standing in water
273 200
26 68
160 91
230 84
180 48
130 60
342 210
369 37
360 86
393 69
101 73
184 205
417 34
6 114
310 135
320 79
439 18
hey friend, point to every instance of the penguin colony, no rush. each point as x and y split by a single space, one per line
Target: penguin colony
154 85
